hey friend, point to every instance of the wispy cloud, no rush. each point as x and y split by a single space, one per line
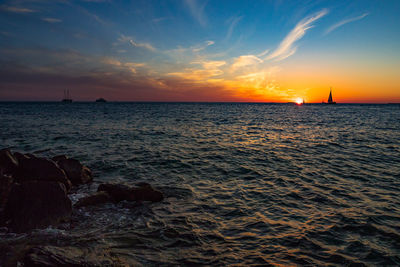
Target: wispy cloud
197 75
245 60
90 14
345 21
144 45
51 20
124 39
259 85
210 64
209 70
232 24
194 53
157 20
129 66
15 9
263 53
286 47
196 9
202 46
128 39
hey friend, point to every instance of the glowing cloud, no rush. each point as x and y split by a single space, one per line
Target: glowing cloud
196 75
263 53
343 22
286 47
245 60
211 64
209 69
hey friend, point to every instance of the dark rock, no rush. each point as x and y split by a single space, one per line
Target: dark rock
5 188
69 256
147 193
58 157
76 172
118 192
8 163
34 168
36 204
144 192
100 197
12 255
20 156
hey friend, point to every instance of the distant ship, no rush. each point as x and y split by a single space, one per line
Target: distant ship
330 100
66 98
101 100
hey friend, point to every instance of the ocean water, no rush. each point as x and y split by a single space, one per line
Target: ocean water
245 184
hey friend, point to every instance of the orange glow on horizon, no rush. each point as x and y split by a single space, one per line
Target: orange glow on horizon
299 101
275 84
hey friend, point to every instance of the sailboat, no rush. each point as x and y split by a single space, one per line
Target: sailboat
66 98
330 100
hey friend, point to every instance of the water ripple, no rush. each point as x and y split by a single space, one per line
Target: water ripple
245 184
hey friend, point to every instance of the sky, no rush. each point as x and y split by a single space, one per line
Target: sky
200 51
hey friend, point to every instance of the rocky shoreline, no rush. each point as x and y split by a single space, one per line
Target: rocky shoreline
34 194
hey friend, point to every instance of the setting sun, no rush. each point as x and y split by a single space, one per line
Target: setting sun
299 101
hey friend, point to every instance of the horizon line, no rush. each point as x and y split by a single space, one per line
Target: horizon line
206 102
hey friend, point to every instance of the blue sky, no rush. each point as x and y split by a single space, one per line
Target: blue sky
190 50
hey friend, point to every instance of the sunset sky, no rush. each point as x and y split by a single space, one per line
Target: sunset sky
188 50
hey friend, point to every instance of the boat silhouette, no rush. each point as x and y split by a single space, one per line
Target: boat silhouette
66 98
330 99
101 100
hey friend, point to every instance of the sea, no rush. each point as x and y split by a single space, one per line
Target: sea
245 184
